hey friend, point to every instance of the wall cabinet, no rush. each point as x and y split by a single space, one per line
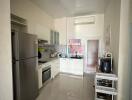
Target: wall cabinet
71 66
54 37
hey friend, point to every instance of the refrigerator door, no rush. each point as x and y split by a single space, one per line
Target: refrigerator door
25 79
24 45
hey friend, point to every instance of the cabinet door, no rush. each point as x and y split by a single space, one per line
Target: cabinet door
63 65
78 69
57 66
40 76
52 37
70 67
57 38
52 69
55 69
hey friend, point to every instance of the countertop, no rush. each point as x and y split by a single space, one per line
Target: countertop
72 58
48 60
51 59
55 58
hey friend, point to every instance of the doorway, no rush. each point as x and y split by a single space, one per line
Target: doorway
92 55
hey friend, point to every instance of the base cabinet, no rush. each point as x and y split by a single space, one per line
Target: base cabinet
64 67
71 66
55 67
40 76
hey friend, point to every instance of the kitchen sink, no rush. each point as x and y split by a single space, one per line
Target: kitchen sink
78 57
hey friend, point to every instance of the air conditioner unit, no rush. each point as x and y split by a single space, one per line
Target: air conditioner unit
84 20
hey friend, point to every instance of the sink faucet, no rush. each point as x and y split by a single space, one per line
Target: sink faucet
76 54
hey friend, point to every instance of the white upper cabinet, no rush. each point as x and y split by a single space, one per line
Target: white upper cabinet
54 37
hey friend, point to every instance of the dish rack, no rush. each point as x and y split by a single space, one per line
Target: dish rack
105 86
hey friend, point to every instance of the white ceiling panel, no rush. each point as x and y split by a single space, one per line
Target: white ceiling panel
62 8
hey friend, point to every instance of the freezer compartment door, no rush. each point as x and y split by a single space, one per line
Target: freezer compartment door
24 45
25 79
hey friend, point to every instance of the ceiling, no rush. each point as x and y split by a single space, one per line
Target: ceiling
62 8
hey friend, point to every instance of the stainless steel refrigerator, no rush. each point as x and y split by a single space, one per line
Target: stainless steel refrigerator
24 61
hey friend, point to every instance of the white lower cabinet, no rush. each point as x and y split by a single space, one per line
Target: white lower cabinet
71 66
40 76
64 65
55 67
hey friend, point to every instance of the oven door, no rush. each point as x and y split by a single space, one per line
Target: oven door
46 74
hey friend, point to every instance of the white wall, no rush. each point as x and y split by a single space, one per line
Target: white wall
68 30
130 61
61 27
125 53
5 52
112 18
118 15
91 32
131 48
39 22
130 11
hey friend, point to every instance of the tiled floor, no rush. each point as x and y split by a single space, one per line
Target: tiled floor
67 87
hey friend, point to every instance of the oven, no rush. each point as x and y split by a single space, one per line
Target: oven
46 73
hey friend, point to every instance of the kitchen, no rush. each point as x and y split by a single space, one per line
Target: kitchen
62 42
117 20
48 62
51 60
56 53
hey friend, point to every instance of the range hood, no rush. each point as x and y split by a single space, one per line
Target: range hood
42 41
